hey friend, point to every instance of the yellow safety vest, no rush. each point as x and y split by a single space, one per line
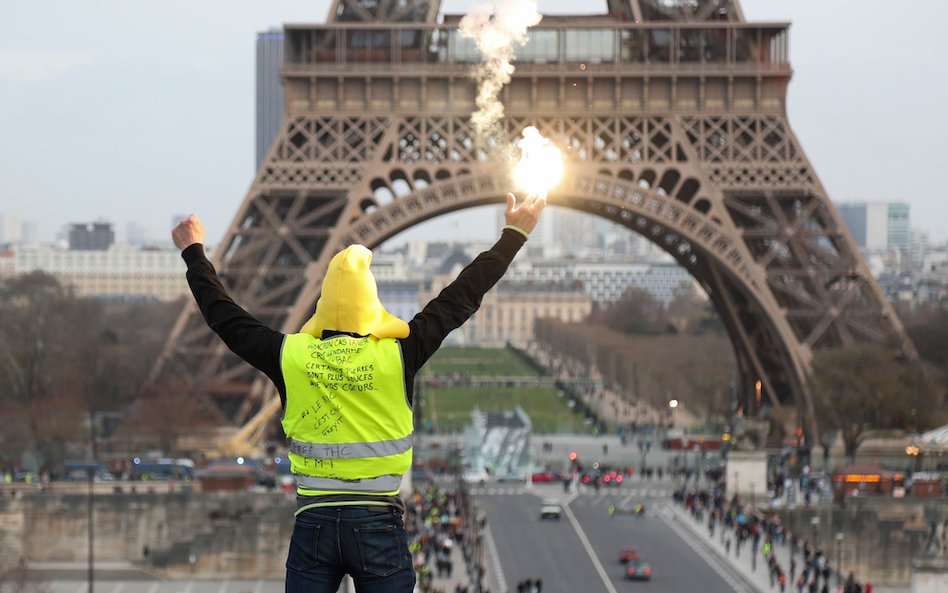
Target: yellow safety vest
347 414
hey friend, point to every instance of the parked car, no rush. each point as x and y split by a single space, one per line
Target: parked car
159 469
79 471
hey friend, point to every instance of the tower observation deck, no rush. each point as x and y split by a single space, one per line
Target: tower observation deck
672 117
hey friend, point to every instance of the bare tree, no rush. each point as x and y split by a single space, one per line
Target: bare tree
860 389
38 318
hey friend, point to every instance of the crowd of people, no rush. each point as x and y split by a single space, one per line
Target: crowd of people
808 569
436 523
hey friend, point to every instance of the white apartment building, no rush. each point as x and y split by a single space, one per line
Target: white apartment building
607 281
509 311
121 272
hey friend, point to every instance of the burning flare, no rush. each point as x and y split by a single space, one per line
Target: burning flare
541 164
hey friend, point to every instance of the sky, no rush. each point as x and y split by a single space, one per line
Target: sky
132 111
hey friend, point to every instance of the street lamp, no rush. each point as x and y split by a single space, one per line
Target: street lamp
839 556
815 522
753 496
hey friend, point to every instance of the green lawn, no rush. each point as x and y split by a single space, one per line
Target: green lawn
449 408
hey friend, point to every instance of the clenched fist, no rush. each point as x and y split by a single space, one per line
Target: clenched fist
188 232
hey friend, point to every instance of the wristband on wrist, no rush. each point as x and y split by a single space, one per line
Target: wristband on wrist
517 229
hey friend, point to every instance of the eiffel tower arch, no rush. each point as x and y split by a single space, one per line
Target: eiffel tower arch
673 119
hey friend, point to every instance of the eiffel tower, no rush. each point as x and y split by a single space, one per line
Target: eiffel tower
673 117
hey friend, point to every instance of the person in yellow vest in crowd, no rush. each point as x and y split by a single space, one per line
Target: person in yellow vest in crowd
345 382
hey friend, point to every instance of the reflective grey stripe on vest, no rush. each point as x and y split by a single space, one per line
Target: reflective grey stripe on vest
351 450
387 483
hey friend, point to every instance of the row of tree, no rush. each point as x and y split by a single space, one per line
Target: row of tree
651 351
66 361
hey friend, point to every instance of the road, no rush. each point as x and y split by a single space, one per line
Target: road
562 552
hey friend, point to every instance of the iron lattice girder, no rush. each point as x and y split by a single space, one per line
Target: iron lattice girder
730 196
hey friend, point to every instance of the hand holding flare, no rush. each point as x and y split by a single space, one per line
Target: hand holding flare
541 164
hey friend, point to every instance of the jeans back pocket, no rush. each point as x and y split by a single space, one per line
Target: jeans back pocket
383 548
303 546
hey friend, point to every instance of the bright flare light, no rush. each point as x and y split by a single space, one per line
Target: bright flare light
541 164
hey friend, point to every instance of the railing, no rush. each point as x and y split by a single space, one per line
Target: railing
684 44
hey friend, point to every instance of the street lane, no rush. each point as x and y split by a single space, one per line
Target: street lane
552 550
676 566
531 548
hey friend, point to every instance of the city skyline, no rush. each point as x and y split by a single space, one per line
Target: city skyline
118 117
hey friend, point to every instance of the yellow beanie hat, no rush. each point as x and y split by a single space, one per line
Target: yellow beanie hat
349 301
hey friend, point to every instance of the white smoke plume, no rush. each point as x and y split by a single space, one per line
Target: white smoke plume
495 30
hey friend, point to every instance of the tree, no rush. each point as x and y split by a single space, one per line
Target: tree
63 358
637 312
161 419
863 388
38 317
928 327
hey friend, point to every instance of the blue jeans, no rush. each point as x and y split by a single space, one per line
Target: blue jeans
367 543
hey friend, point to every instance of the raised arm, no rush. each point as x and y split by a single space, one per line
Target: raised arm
461 299
246 336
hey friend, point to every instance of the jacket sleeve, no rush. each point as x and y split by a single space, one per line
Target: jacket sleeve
243 334
458 301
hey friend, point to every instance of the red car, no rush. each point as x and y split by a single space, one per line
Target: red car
628 555
544 477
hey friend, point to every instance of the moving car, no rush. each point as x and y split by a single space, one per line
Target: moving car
628 555
475 476
638 570
518 477
550 509
544 477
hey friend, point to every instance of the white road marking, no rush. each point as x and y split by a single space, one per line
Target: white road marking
670 519
495 560
592 555
626 500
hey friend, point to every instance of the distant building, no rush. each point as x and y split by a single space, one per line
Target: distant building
401 298
11 229
95 236
269 89
119 273
875 226
509 311
136 234
607 281
899 233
